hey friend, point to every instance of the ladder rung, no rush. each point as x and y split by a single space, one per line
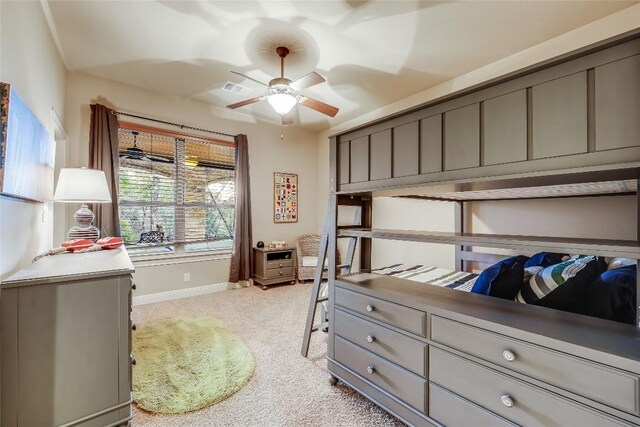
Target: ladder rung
337 267
348 227
346 237
319 325
319 300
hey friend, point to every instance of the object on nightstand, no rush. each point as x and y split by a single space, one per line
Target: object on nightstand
82 185
260 244
278 244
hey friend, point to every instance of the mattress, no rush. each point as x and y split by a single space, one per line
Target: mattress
437 276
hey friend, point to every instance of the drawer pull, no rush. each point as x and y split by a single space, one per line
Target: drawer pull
371 369
509 355
280 265
369 308
133 361
134 327
506 400
371 338
281 273
133 286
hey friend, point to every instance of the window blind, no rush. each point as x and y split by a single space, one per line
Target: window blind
177 192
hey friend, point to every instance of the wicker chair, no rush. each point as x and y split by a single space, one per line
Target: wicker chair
308 245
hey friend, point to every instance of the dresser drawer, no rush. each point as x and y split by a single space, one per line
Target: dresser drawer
393 314
607 385
400 349
451 410
279 264
280 272
508 397
398 382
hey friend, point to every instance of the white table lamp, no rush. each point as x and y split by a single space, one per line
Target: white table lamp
82 185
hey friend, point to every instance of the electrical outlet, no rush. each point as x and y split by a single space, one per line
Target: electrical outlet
187 277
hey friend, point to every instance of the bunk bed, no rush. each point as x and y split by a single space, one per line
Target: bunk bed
431 355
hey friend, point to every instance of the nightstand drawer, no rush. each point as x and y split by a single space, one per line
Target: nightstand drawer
271 265
513 399
393 314
279 272
400 349
399 382
602 383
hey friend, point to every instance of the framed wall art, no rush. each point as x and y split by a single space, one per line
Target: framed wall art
27 152
285 197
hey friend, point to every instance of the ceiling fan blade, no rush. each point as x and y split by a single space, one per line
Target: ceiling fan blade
250 78
287 119
245 102
309 80
314 104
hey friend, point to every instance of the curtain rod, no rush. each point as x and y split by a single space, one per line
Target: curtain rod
115 112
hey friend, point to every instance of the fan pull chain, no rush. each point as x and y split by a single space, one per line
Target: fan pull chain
282 132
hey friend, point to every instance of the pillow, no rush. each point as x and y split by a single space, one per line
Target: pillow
503 279
562 286
612 295
545 259
620 262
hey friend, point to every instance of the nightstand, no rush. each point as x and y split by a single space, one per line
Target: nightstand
273 266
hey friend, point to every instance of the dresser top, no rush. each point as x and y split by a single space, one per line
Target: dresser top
70 266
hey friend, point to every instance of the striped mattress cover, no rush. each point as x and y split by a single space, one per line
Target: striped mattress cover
437 276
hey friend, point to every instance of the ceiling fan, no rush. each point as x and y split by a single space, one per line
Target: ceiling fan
136 153
283 94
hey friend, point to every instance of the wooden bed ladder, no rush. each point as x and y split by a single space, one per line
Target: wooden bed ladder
345 268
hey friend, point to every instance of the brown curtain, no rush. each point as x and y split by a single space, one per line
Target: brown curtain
242 256
103 155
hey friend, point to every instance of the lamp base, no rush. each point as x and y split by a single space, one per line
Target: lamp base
76 232
84 228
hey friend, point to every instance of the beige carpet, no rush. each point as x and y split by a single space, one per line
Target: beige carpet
286 389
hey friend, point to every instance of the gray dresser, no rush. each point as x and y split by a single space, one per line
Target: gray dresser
434 356
66 341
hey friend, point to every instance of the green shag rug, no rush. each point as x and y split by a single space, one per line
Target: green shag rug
188 363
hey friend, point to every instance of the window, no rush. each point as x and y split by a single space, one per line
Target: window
176 192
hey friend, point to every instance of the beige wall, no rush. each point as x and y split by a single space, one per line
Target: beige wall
30 62
297 153
603 217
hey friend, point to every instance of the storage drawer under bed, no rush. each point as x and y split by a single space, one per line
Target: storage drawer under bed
400 349
393 314
452 410
513 399
395 380
602 383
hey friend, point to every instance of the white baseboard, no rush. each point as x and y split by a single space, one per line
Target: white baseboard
182 293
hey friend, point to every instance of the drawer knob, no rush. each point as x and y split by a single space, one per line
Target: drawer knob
371 369
369 308
281 273
280 264
509 355
133 286
506 400
133 361
134 327
370 338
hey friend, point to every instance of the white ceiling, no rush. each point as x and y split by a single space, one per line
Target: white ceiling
372 53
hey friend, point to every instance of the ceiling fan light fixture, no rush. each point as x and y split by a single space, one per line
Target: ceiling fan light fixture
282 102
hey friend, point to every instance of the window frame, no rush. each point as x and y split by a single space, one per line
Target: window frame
179 250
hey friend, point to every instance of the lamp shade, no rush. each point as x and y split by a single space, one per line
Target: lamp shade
82 185
282 102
